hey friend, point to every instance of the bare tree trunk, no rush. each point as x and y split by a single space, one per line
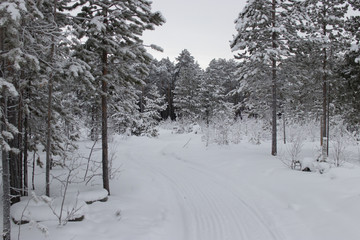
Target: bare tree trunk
6 233
25 159
104 137
328 121
48 137
274 86
5 175
15 182
324 105
142 102
33 171
284 128
49 113
20 143
169 100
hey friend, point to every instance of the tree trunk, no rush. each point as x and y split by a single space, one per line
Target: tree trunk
5 175
20 143
274 85
25 159
15 173
169 100
33 171
284 127
324 105
328 120
142 102
104 138
48 138
49 113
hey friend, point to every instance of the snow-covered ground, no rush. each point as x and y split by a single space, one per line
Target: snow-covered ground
175 188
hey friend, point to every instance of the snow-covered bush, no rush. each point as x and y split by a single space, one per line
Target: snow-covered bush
256 130
184 125
291 157
310 130
294 150
340 139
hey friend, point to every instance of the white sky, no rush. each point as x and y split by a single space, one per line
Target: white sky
204 27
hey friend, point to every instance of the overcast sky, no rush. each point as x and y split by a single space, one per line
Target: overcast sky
204 27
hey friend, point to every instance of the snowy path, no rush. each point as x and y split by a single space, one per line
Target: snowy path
212 209
175 188
212 206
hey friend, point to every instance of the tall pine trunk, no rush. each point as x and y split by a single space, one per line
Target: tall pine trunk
104 138
274 86
25 155
324 104
49 113
15 172
5 174
20 143
6 233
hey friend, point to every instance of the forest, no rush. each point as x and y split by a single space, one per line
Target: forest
77 69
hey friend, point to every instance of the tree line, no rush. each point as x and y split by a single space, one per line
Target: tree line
61 62
300 59
66 65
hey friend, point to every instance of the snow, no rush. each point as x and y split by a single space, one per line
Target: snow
9 87
93 195
174 187
41 209
13 9
98 22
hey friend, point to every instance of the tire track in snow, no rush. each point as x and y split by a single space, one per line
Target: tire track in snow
234 218
211 207
198 207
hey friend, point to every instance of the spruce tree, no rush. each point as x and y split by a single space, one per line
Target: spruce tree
112 31
188 78
164 76
212 93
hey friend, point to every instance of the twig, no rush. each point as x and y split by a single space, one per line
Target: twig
87 166
187 143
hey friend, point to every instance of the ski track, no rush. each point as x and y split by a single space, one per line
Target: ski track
212 207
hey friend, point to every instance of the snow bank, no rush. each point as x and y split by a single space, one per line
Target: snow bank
41 209
94 195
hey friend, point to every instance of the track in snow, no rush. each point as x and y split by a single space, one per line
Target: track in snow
212 207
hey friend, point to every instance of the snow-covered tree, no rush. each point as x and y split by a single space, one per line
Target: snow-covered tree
264 31
188 76
163 75
11 14
152 106
326 32
353 25
212 92
112 32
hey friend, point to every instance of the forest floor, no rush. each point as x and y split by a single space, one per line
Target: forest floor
173 187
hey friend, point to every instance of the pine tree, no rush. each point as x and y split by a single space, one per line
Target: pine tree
264 30
353 25
11 13
112 30
188 78
212 93
326 31
164 76
153 104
